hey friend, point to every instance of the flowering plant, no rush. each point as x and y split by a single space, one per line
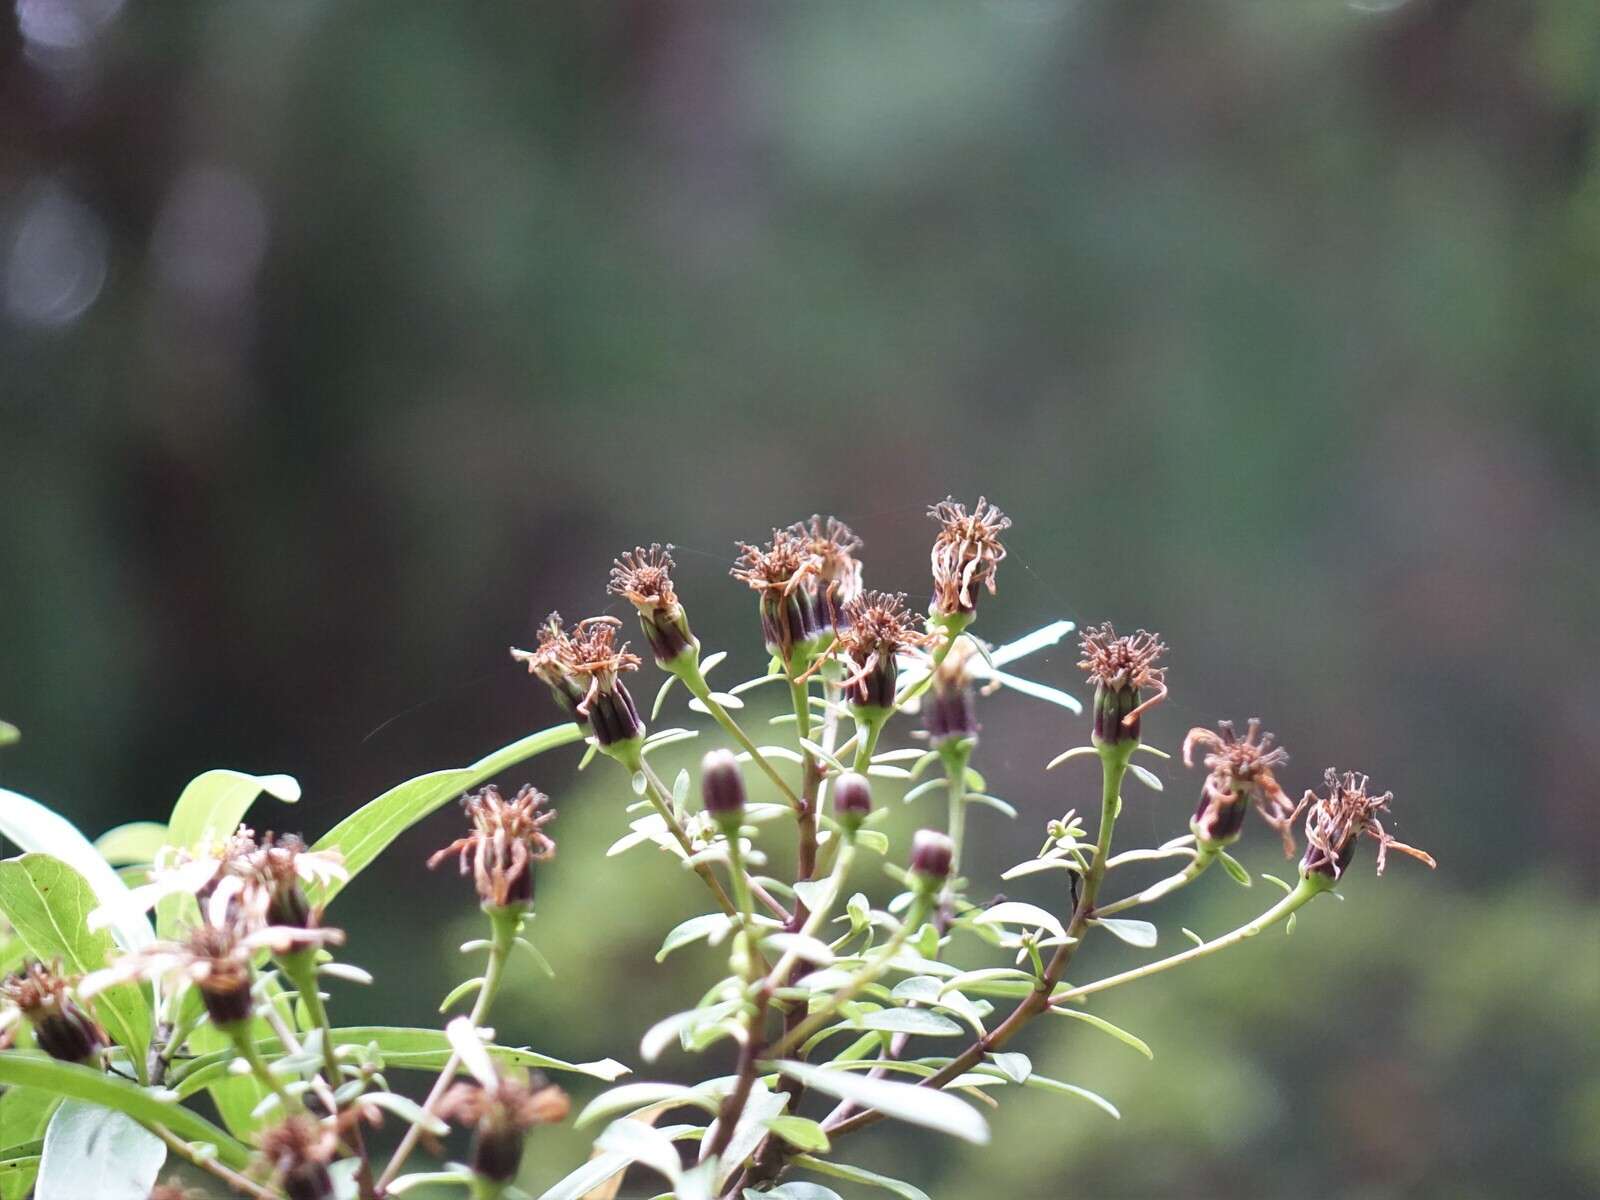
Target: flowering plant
206 977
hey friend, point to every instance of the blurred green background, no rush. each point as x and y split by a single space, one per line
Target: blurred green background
343 341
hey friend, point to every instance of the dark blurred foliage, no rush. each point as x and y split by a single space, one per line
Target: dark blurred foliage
341 342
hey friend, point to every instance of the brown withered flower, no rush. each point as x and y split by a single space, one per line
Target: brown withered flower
780 573
1240 773
1121 668
594 661
547 663
295 1155
878 626
42 996
499 1117
269 879
1337 821
214 958
644 576
966 551
838 575
507 838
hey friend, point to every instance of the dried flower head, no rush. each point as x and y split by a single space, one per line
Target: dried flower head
966 551
269 880
42 996
1241 773
295 1155
1121 668
595 662
1337 821
214 958
507 838
644 576
779 573
878 626
950 708
833 545
547 663
179 871
499 1116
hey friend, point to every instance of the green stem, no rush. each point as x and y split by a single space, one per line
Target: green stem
701 690
867 730
504 925
301 968
205 1162
955 765
1203 858
246 1046
661 800
1307 889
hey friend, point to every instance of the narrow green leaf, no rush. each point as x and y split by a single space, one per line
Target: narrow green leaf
588 1177
839 1170
1105 1026
1136 933
34 827
401 1048
1147 777
93 1151
714 926
798 1190
1014 912
134 843
1234 867
1072 1089
800 1132
9 734
71 1081
908 1020
631 1097
365 833
1014 1066
48 904
904 1101
643 1144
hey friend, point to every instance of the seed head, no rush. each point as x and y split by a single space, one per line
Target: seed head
644 576
780 573
296 1154
595 663
966 551
1241 773
506 839
547 662
500 1116
1121 668
42 996
833 545
878 625
1337 821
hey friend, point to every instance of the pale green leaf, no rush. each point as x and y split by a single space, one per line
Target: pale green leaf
71 1081
839 1170
1105 1026
34 827
915 1105
91 1151
48 904
365 833
134 843
800 1132
714 926
1072 1089
591 1175
1014 912
909 1021
1234 868
1135 933
631 1097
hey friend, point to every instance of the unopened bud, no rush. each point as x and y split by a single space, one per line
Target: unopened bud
69 1034
722 788
931 855
852 800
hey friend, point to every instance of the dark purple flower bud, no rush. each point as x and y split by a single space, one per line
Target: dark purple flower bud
722 786
1120 668
931 855
614 717
852 800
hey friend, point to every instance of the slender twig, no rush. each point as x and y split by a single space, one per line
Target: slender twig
661 800
1309 888
701 690
1113 766
1203 858
505 924
207 1162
